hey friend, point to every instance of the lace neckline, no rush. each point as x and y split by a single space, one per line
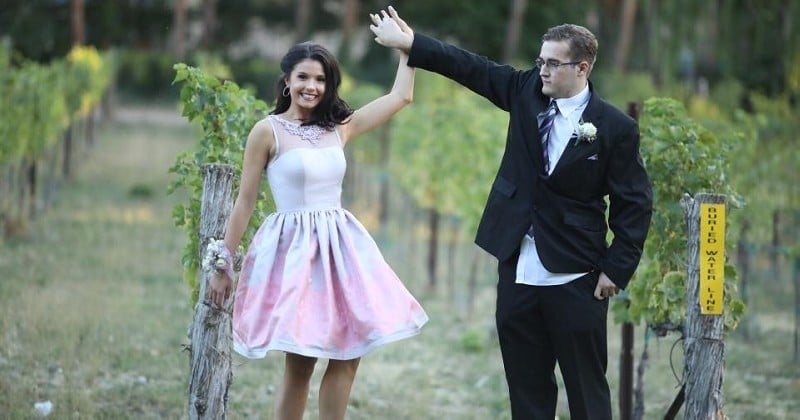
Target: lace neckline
309 133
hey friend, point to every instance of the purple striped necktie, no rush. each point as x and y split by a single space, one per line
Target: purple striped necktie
546 119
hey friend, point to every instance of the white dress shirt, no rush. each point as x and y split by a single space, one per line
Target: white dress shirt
530 269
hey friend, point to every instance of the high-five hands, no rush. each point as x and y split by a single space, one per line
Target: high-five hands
391 31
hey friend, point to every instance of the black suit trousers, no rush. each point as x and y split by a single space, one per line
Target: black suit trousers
539 326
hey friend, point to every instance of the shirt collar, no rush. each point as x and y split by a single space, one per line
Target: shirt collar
567 105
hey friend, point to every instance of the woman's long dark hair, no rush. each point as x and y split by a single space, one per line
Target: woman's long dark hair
332 109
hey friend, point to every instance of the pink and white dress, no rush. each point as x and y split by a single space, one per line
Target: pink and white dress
313 281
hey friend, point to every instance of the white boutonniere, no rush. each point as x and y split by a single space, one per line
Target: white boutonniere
585 132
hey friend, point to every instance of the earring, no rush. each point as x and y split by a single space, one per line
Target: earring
285 91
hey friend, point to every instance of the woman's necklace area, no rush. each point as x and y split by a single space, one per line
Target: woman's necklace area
309 133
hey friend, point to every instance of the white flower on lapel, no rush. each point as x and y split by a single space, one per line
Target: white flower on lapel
586 131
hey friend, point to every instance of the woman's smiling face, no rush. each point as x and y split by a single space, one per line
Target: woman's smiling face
307 84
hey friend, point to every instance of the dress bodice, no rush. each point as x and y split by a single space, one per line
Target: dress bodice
308 168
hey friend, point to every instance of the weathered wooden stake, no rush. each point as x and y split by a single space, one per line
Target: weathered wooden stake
66 166
704 349
433 247
626 373
626 391
210 333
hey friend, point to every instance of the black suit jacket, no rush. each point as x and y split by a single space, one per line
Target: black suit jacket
568 208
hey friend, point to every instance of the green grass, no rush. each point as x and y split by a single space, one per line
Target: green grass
94 313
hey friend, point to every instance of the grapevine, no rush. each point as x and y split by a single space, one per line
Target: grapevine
225 114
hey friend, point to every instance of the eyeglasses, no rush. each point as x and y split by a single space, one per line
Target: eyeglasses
553 64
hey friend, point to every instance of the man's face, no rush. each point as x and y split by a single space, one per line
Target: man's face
560 81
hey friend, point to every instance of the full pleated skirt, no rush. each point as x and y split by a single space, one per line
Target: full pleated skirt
314 283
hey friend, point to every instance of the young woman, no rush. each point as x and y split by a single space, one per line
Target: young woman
313 282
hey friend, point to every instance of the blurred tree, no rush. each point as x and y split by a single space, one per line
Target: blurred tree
179 29
514 29
627 23
209 23
351 14
301 19
754 41
760 41
39 29
478 25
490 28
77 22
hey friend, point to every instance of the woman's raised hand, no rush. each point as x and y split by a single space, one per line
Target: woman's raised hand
391 31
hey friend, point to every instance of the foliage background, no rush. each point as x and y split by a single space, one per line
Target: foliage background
733 66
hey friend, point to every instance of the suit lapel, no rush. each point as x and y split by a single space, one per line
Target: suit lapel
591 114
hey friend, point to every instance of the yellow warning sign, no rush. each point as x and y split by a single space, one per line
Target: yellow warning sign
712 258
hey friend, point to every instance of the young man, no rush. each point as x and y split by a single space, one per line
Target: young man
545 218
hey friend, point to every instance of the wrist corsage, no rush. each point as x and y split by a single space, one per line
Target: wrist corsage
218 257
585 132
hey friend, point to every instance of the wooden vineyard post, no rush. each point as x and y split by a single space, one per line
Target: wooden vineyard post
704 349
210 332
626 352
